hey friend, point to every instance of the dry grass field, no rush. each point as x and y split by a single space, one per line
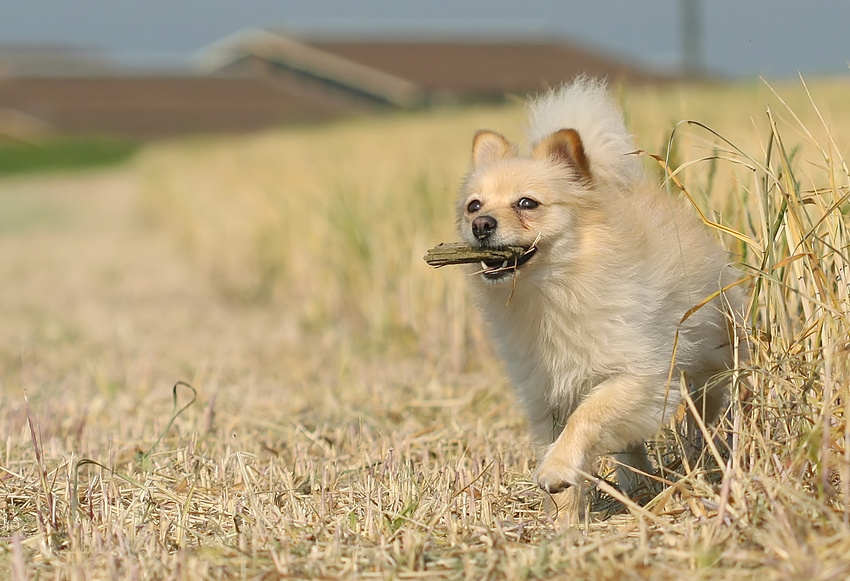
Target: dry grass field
227 360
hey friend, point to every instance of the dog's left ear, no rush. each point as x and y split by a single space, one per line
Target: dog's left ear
564 146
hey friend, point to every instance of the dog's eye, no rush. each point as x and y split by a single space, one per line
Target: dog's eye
473 206
527 204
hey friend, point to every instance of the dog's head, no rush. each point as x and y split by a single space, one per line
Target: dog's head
530 201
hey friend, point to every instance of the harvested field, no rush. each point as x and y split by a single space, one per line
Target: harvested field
343 415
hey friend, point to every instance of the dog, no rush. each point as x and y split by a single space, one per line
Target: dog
602 305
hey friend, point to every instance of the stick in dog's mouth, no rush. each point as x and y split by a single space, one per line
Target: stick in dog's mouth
495 271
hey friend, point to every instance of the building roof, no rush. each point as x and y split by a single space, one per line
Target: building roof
145 107
285 54
484 68
257 78
407 72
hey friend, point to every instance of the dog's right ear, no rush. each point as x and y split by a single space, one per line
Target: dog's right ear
489 146
565 146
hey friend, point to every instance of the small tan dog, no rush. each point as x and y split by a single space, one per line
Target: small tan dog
587 318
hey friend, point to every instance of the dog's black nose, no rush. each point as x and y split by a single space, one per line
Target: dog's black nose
483 226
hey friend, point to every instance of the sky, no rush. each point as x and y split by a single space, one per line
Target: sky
772 38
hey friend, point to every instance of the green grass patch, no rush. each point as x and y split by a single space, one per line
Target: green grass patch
63 153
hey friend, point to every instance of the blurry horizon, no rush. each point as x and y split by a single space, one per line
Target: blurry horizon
776 38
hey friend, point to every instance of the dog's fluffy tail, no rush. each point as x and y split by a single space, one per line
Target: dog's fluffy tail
586 106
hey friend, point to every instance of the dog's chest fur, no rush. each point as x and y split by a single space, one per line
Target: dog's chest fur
558 345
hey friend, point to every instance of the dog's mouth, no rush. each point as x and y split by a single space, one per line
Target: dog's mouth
495 271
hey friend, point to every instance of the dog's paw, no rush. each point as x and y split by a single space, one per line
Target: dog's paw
555 475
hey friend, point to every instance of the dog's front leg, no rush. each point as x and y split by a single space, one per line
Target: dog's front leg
620 411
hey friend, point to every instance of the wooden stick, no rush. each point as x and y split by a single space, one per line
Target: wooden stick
460 253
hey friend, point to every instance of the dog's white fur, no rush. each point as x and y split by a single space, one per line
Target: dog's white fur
587 326
586 106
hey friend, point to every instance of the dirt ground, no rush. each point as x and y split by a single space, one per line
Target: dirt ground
92 292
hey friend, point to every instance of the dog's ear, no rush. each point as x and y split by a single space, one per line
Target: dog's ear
489 146
564 146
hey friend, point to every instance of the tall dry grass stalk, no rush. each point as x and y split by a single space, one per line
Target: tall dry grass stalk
351 421
789 207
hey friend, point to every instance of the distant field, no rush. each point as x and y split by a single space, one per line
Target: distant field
62 153
343 414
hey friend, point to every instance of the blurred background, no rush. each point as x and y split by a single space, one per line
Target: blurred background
151 69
